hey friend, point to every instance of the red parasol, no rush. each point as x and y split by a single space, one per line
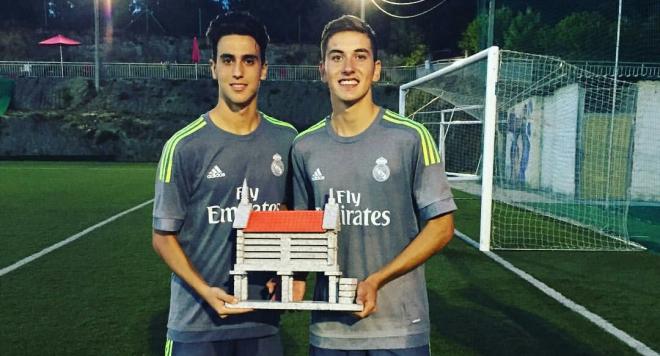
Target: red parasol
195 51
195 54
60 41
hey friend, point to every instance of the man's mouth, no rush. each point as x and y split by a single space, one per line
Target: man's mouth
348 82
238 86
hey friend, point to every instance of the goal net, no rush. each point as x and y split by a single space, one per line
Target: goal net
542 145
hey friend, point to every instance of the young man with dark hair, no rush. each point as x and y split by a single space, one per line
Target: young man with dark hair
396 205
198 187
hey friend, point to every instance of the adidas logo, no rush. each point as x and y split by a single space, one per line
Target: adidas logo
317 175
215 172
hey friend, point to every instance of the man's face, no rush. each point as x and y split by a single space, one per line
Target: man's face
349 67
238 70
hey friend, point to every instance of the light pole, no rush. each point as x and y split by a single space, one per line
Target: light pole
362 10
491 23
97 60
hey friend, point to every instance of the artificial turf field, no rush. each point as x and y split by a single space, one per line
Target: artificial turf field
107 293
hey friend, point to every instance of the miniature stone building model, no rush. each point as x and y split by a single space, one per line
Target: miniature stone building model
286 242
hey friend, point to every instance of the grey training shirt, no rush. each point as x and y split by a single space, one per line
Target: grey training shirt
385 180
198 184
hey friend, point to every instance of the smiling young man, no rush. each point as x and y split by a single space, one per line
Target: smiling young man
396 205
198 186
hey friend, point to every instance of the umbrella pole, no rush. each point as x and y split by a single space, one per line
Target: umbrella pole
61 62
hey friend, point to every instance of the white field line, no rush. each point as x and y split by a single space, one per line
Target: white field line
69 239
594 318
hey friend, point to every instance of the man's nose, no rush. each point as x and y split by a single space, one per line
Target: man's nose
348 66
237 70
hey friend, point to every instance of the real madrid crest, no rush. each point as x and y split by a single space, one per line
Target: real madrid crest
277 167
381 171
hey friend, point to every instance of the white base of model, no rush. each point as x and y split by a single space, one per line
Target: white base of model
302 305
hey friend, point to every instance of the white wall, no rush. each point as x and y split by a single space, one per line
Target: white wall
558 141
646 155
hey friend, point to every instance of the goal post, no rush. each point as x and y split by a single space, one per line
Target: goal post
484 113
543 145
490 117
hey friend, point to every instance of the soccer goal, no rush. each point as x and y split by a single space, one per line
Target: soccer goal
543 145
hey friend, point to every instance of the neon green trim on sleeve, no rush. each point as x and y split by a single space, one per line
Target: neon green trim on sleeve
429 150
275 121
165 166
311 129
168 347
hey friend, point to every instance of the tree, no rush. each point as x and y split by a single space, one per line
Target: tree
471 38
469 41
579 35
406 40
583 35
525 32
640 38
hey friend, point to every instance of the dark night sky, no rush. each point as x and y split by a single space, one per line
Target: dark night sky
287 20
441 27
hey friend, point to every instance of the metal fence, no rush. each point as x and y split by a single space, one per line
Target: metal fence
396 75
632 70
174 71
155 70
47 69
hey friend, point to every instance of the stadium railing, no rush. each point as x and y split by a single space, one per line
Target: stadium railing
626 69
14 69
165 70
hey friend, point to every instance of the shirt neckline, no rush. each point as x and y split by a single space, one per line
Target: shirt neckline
228 135
350 139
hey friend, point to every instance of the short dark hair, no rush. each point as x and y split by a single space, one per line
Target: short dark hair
237 23
348 23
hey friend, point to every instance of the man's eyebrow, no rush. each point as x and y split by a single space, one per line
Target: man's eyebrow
357 50
243 57
365 51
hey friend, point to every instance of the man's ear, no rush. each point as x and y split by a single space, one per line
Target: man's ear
322 72
377 69
212 68
264 71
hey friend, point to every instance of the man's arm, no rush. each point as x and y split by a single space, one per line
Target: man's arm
433 237
167 246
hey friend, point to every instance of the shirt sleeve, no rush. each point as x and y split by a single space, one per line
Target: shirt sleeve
430 186
303 197
171 193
